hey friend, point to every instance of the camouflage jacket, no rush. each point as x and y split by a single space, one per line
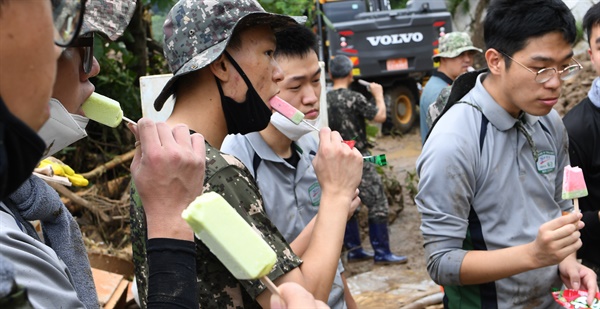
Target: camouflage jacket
217 288
437 107
348 111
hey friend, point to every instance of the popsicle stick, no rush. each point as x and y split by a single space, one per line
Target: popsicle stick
310 125
576 204
129 120
270 285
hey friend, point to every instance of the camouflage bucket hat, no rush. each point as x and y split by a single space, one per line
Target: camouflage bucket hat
196 33
109 17
453 44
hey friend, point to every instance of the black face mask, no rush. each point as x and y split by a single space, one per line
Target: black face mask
20 151
252 115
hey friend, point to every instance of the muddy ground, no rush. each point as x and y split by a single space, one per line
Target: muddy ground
393 286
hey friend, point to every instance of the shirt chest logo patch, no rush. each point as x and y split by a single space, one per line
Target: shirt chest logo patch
314 192
546 162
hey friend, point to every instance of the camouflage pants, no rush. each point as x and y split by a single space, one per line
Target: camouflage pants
372 194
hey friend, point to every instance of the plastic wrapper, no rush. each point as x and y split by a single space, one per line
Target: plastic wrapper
575 299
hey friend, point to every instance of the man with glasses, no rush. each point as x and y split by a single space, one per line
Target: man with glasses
491 169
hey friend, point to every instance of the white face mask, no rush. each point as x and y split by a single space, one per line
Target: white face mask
291 130
62 128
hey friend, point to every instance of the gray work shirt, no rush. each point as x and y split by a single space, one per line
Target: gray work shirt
492 198
291 195
37 267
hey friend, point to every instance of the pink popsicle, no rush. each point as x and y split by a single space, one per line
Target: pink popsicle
573 185
286 110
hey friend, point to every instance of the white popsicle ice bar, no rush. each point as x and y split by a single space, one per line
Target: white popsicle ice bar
573 183
245 254
286 110
103 110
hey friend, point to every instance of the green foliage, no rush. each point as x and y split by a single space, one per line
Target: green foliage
454 5
157 27
580 35
398 4
391 185
161 5
292 8
372 130
116 80
411 183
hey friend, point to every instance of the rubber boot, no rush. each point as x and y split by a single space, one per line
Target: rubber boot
353 244
378 232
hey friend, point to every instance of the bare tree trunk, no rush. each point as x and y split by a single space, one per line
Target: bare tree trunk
137 27
477 32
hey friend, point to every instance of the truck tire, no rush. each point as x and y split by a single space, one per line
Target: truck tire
404 108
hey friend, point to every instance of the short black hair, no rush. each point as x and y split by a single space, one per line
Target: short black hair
591 19
295 41
509 24
340 66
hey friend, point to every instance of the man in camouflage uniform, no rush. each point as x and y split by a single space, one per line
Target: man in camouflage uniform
455 57
221 55
348 111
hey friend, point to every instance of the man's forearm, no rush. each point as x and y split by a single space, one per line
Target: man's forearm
487 266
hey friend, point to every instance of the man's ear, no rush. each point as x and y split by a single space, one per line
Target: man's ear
220 68
495 61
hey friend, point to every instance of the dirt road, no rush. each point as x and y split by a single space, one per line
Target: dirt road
395 286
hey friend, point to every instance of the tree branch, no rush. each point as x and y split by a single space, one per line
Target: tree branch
118 160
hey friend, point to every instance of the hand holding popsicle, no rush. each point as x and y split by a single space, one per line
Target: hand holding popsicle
229 237
168 172
336 164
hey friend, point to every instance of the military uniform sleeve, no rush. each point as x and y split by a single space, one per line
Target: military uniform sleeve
139 238
363 107
237 186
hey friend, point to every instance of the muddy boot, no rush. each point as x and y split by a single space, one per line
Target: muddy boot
353 244
378 232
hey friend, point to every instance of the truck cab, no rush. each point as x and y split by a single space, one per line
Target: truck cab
390 47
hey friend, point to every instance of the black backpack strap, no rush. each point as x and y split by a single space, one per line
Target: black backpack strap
461 86
255 163
482 132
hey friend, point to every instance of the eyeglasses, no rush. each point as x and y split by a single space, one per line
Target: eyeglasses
546 74
67 17
86 43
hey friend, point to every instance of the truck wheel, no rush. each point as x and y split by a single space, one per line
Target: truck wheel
404 111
